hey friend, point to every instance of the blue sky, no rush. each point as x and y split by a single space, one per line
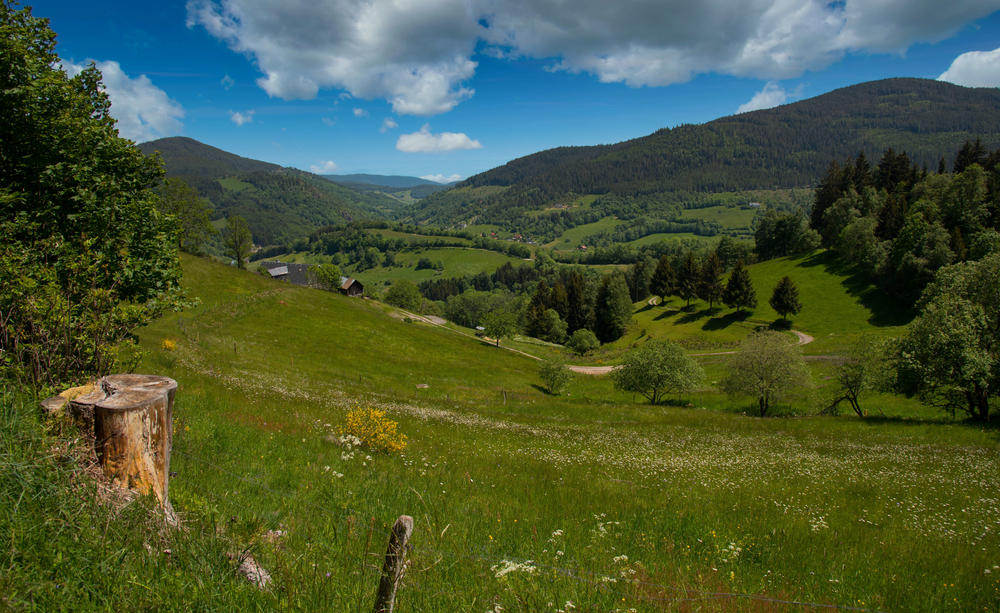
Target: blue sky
450 88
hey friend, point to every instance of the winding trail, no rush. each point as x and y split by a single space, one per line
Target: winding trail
804 339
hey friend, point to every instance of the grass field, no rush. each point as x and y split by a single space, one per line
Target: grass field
655 238
729 217
577 234
232 184
525 501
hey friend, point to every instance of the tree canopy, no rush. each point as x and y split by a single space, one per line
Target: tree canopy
82 234
656 369
767 368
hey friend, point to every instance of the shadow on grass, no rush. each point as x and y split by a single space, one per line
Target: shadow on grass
722 322
692 316
780 325
543 390
885 310
666 314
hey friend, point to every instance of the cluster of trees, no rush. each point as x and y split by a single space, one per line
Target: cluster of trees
901 224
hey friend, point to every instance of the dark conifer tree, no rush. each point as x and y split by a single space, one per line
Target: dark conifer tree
740 293
710 287
558 299
577 313
612 308
664 279
688 278
785 298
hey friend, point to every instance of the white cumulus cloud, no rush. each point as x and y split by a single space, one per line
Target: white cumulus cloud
974 69
441 178
771 96
241 118
418 55
388 124
142 110
324 168
360 113
426 142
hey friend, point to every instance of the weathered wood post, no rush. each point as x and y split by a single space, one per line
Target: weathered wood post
133 432
395 564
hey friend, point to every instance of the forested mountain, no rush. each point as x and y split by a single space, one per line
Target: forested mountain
184 156
398 181
784 147
278 203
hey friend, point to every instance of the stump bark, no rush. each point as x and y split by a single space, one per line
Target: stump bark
133 431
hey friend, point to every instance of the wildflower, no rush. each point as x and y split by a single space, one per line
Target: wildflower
168 345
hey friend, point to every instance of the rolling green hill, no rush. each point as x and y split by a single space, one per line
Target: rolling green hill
785 147
279 204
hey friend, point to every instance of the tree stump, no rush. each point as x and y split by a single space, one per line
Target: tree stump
133 432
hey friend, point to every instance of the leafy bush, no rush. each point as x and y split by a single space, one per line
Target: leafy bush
555 375
583 341
373 430
656 369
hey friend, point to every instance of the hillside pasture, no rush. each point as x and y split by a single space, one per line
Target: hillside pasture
585 501
573 238
731 218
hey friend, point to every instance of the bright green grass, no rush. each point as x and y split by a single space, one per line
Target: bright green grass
485 230
729 217
577 234
655 238
879 513
232 184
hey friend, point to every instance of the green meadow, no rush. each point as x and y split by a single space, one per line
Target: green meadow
573 238
729 217
526 501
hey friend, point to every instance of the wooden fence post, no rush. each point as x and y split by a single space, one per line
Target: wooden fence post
395 564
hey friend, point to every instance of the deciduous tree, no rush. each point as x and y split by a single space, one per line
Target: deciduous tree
555 375
583 341
179 199
500 324
767 368
656 369
239 241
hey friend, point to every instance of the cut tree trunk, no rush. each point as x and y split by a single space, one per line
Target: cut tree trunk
133 431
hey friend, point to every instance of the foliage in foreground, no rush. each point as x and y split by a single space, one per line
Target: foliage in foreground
555 375
86 256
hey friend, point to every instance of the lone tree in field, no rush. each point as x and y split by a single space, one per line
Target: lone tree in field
866 368
555 375
656 369
710 288
688 278
785 298
740 293
664 279
239 241
951 356
767 367
500 324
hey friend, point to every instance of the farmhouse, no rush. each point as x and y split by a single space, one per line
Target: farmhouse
351 287
296 274
754 205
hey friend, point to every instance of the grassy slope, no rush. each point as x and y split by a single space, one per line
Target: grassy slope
879 513
577 234
729 217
